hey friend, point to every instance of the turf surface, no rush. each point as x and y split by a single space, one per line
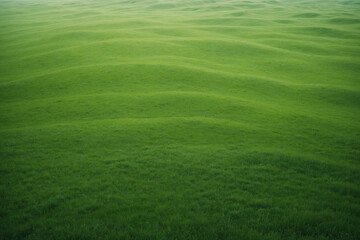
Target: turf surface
179 119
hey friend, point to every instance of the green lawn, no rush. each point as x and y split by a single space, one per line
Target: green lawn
179 119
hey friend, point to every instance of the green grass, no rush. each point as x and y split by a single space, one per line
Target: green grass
180 119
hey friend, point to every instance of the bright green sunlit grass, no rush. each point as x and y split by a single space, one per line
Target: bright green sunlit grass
179 119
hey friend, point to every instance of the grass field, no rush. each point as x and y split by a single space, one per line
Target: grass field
180 119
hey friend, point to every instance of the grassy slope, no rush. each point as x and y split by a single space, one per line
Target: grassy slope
179 119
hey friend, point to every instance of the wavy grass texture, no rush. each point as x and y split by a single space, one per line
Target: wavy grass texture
179 119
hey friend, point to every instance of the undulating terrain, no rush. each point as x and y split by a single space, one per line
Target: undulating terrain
179 119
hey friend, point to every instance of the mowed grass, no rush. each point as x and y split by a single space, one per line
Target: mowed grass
180 119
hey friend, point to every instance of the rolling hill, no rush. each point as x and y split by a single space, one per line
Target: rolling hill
180 119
